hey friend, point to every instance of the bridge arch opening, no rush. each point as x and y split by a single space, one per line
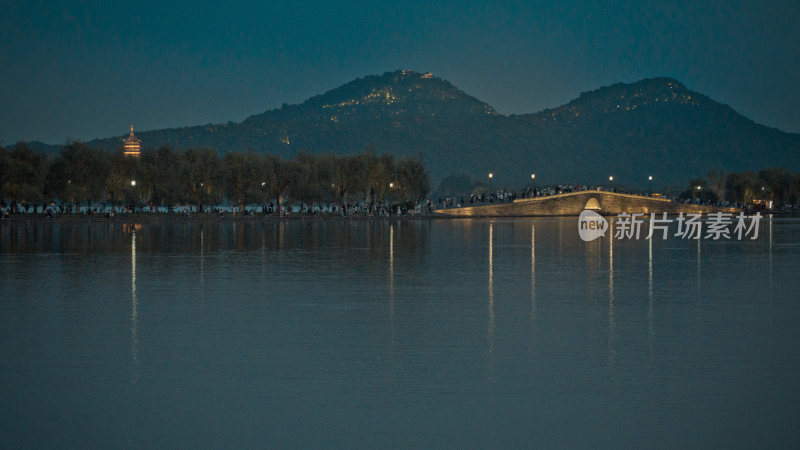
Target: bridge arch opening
592 204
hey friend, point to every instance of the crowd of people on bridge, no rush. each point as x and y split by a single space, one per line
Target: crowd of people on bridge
508 196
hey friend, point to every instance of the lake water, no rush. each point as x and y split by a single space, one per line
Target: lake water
376 333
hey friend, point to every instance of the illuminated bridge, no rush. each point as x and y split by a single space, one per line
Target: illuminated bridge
571 204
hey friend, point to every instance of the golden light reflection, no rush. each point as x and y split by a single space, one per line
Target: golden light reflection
134 306
131 227
533 272
594 255
491 279
490 327
611 323
650 311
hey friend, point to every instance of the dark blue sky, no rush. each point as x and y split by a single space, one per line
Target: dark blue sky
86 69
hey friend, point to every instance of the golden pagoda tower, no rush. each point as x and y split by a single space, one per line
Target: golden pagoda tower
132 146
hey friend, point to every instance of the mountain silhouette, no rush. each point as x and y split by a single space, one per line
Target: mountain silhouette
655 127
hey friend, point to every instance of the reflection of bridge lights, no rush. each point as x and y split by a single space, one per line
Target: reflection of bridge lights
533 271
491 324
134 304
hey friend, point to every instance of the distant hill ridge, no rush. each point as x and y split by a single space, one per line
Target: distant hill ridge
622 97
652 127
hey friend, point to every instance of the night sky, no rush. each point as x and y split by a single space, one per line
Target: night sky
81 70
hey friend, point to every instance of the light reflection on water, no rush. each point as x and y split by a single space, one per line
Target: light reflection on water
533 271
408 333
490 326
134 307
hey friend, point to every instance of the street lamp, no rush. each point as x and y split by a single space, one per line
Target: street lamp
533 180
651 185
133 187
611 180
491 175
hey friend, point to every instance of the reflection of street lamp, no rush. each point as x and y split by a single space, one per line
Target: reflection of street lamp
391 185
611 180
651 184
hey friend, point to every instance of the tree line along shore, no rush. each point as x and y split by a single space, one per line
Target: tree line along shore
81 178
84 179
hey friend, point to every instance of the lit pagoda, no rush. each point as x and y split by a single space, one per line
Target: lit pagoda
132 146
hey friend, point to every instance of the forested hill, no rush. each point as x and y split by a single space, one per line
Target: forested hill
652 127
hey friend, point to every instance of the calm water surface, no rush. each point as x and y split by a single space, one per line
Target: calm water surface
375 333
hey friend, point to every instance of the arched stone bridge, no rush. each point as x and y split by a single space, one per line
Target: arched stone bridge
571 204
